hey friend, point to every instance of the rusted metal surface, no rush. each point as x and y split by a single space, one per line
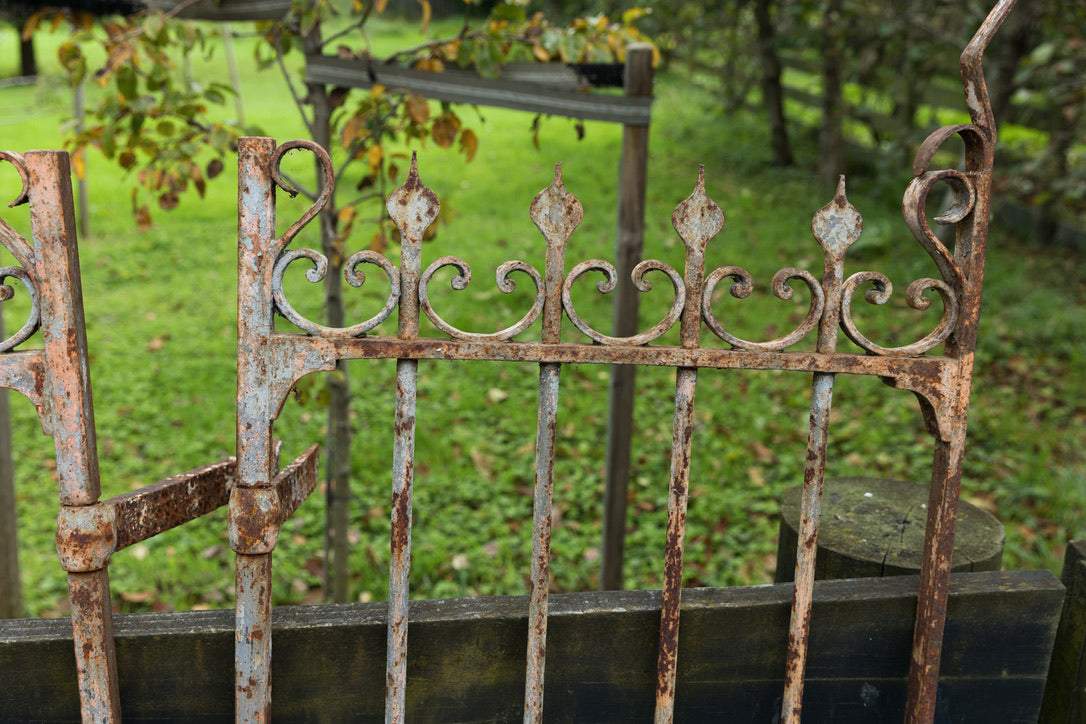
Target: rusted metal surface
939 380
556 213
146 512
56 379
836 227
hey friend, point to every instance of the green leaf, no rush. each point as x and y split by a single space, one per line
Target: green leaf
127 82
215 96
508 11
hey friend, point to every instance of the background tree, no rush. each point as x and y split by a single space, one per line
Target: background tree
876 89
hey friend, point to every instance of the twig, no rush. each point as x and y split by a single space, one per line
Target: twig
290 85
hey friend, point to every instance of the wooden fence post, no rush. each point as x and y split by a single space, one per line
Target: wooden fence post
633 177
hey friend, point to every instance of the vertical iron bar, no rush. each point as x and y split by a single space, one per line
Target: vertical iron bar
96 659
556 214
413 207
52 217
969 252
252 637
799 626
11 597
935 578
697 220
256 229
541 542
836 226
403 462
667 661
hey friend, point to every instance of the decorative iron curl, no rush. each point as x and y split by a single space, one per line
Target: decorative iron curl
17 160
20 248
914 210
327 184
33 321
23 252
462 279
317 273
319 270
608 284
881 292
743 287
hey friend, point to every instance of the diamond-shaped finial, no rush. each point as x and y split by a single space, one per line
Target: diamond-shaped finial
838 224
698 219
555 211
413 206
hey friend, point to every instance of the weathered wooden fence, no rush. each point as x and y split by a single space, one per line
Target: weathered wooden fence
838 651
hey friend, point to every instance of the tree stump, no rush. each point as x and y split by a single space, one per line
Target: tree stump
874 527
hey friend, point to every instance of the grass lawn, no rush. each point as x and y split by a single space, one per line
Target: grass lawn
161 326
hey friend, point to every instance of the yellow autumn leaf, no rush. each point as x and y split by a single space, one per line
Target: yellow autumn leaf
427 13
444 130
379 242
469 143
346 214
79 164
143 218
431 65
351 130
418 109
32 23
380 5
374 156
345 220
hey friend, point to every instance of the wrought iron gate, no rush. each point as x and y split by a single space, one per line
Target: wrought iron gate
270 362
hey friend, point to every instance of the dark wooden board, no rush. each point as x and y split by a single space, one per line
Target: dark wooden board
466 86
1065 694
466 657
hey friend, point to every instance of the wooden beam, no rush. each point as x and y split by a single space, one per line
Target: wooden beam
1065 694
633 179
466 657
511 90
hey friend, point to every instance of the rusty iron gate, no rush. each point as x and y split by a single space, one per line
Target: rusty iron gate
260 497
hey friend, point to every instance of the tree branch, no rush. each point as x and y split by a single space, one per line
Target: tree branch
298 102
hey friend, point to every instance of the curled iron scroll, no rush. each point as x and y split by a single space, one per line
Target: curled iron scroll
880 293
608 284
353 275
23 252
742 288
327 183
317 273
463 279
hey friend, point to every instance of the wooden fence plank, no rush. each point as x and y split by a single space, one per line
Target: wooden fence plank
466 659
460 86
1065 694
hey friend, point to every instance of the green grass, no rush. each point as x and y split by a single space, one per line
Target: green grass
160 314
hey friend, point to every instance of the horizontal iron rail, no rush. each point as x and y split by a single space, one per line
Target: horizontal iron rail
933 367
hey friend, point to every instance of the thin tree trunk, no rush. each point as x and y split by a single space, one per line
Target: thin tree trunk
1046 216
28 62
772 92
832 160
338 491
